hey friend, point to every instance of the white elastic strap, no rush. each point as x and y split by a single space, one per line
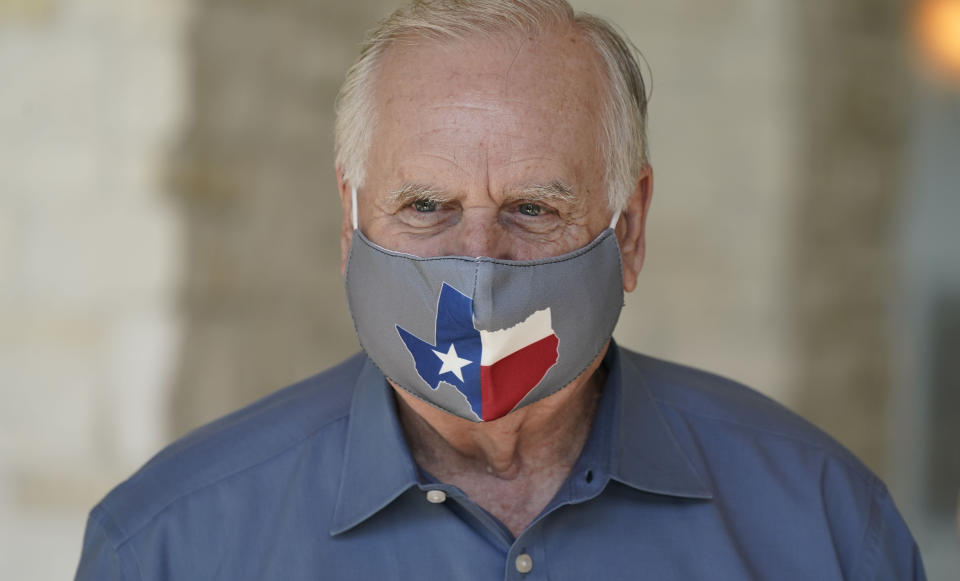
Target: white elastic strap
613 222
353 207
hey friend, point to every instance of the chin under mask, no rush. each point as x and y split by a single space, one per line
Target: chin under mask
480 337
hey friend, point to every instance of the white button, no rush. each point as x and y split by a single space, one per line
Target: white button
524 563
436 496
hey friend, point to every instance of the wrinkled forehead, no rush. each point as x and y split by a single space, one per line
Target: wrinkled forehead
559 67
544 86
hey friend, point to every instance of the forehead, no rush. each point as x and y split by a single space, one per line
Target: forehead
508 98
556 56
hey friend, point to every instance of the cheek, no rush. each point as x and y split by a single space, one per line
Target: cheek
532 249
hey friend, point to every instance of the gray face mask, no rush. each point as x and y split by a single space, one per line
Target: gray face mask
480 337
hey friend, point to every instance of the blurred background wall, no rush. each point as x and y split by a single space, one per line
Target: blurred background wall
169 224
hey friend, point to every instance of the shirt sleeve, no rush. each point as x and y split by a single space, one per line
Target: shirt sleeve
100 560
890 553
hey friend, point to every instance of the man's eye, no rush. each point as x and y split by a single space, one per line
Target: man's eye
425 206
530 209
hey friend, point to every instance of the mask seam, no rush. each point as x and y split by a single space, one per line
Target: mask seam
413 393
388 378
515 263
476 284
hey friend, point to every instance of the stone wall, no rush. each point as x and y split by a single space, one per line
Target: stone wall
253 178
90 94
853 131
713 292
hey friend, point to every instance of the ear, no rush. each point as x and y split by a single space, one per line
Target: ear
631 228
346 223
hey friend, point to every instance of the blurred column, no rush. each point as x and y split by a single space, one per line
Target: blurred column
925 420
853 103
89 101
253 174
712 292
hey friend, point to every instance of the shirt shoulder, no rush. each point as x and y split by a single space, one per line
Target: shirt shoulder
767 465
701 397
240 442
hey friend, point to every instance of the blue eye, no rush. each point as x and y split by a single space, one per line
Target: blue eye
530 209
425 206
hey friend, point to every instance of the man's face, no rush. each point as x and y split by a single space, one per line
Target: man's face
487 148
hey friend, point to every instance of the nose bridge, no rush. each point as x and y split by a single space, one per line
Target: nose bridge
481 235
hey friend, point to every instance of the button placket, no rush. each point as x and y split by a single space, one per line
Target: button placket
528 557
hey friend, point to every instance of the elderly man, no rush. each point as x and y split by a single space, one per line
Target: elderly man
492 172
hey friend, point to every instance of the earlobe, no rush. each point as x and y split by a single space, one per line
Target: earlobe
631 229
346 237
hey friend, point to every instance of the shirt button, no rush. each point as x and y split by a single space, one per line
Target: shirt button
436 496
524 563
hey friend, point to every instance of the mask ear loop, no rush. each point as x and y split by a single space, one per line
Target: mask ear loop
613 221
353 207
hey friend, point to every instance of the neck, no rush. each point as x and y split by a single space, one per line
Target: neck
544 436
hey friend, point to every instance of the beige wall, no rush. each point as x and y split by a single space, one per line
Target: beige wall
91 94
712 293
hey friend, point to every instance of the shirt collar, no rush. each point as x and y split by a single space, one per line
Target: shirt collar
630 441
377 465
640 448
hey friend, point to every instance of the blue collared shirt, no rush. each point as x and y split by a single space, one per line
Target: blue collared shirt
684 475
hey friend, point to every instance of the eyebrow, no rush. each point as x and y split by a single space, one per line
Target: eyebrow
412 192
556 190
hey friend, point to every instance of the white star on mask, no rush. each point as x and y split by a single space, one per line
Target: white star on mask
452 363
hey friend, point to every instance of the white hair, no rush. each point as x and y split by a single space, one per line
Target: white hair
623 110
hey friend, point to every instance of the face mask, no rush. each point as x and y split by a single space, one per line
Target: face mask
480 337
